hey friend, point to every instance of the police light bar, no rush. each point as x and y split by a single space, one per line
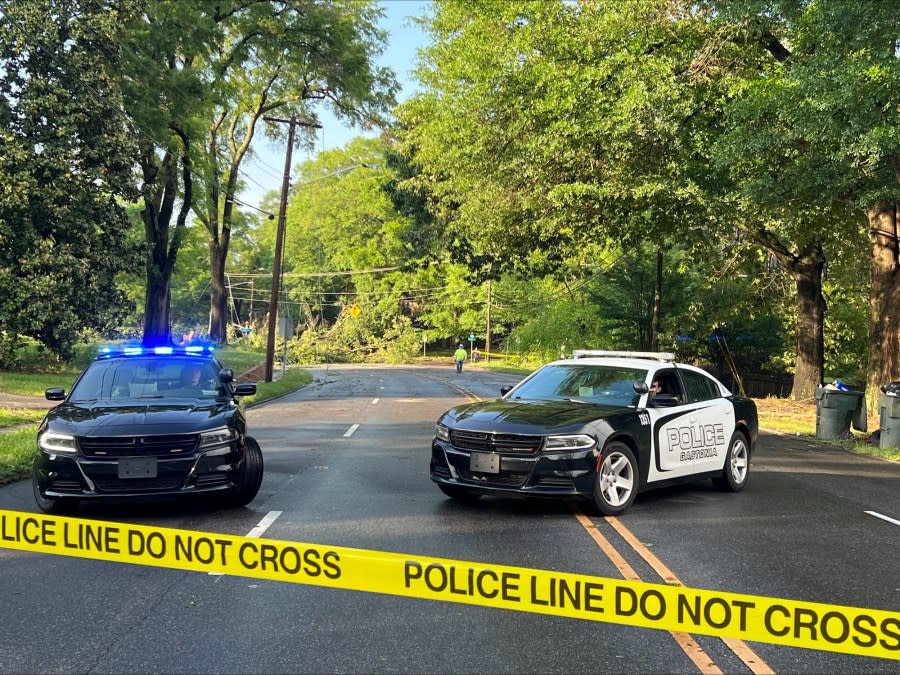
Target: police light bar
601 353
193 349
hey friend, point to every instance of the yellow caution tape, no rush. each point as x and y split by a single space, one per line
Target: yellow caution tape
811 625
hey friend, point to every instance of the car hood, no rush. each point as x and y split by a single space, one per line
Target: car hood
526 417
136 419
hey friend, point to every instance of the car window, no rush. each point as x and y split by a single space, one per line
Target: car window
669 383
156 378
606 385
699 387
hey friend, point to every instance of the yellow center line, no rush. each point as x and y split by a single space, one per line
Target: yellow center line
684 640
752 660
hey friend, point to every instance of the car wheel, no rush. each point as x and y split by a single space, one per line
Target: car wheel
51 505
460 494
615 486
250 477
736 471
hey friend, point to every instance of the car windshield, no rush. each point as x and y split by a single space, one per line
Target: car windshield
606 385
149 378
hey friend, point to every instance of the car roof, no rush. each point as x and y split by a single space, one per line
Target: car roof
619 359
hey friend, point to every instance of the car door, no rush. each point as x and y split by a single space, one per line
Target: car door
692 428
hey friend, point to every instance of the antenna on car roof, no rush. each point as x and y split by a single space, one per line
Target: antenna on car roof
601 353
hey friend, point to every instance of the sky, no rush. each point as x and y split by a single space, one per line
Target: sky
264 173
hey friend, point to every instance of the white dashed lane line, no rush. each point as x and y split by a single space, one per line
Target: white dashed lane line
883 517
349 432
258 531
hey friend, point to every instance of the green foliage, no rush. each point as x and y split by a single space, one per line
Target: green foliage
401 342
65 164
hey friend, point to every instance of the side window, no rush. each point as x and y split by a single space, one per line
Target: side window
668 383
699 387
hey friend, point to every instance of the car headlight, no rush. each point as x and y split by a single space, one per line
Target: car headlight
442 432
569 443
56 442
217 437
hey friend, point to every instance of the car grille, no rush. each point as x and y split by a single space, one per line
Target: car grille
173 445
499 480
493 442
113 485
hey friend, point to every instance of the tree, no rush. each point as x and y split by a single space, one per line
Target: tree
545 127
65 166
199 78
831 92
311 54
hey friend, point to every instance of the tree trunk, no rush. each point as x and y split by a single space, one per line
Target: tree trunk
806 270
218 295
156 306
160 191
657 303
884 300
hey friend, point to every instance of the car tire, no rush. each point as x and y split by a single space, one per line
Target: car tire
250 476
459 494
736 471
50 505
616 482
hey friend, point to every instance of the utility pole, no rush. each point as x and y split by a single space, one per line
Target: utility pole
487 340
279 241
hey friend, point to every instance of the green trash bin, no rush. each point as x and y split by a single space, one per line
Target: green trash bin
836 410
889 417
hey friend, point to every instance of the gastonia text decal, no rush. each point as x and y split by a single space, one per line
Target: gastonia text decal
850 630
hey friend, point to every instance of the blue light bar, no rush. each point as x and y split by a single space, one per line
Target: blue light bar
131 349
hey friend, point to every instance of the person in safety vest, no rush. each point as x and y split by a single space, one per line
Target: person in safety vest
459 356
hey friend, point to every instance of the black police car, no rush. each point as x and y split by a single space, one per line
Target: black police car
145 422
601 426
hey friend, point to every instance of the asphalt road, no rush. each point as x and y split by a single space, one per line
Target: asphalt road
801 530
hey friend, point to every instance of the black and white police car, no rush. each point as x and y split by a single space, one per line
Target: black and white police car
603 426
144 422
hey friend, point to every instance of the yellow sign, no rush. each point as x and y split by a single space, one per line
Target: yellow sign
793 623
355 310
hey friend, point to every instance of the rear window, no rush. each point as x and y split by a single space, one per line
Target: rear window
699 387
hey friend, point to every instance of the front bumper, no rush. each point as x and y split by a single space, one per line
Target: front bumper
75 476
569 474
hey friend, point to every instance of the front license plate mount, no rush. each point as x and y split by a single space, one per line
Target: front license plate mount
139 467
483 462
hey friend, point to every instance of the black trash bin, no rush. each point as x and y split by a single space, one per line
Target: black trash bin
836 410
889 418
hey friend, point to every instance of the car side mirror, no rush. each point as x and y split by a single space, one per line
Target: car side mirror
226 375
641 388
245 390
55 394
505 389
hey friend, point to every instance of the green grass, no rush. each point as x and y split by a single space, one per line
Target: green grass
34 384
12 417
239 360
16 454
